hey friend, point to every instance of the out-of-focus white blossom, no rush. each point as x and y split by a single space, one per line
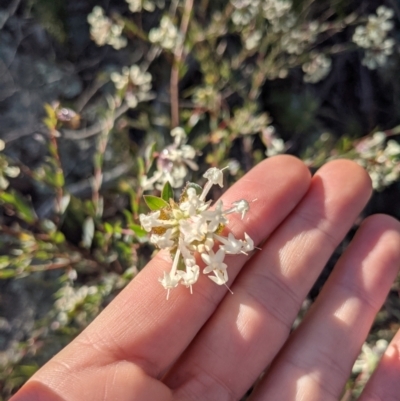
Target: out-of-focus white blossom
104 31
274 144
380 159
373 38
246 122
297 40
136 6
207 97
134 83
188 228
274 10
173 163
244 11
166 35
69 299
253 40
367 361
6 170
317 68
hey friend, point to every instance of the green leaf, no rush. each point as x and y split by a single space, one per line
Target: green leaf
108 228
22 208
4 262
7 273
141 166
139 231
59 181
154 202
167 192
149 154
58 237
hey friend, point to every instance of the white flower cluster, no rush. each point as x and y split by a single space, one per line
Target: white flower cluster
6 170
166 35
244 11
279 15
136 6
207 96
382 161
297 40
274 10
172 163
134 83
104 31
373 38
366 364
189 228
369 357
70 298
252 41
317 68
275 145
246 122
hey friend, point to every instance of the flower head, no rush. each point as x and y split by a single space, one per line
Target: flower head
189 230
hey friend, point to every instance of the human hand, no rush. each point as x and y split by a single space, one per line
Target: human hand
213 345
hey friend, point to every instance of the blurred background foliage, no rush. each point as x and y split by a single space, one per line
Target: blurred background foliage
102 102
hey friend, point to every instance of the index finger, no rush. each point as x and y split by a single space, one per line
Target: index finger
140 326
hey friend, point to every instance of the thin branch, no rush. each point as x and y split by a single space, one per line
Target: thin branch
178 57
93 129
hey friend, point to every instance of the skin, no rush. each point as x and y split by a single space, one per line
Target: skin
212 346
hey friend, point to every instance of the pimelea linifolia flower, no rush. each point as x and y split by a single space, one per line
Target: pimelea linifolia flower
189 228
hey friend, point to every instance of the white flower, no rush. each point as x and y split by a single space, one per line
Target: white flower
173 163
248 243
170 281
179 135
167 35
215 217
373 38
220 277
231 244
214 261
215 176
188 257
164 240
241 206
103 31
192 203
194 229
191 276
148 221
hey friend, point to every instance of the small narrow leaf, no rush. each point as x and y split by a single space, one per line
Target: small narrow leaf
167 192
87 233
22 208
139 231
154 202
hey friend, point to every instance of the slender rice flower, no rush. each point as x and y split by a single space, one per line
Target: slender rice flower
173 163
191 232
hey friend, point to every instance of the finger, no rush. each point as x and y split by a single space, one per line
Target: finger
140 326
250 327
318 359
384 383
